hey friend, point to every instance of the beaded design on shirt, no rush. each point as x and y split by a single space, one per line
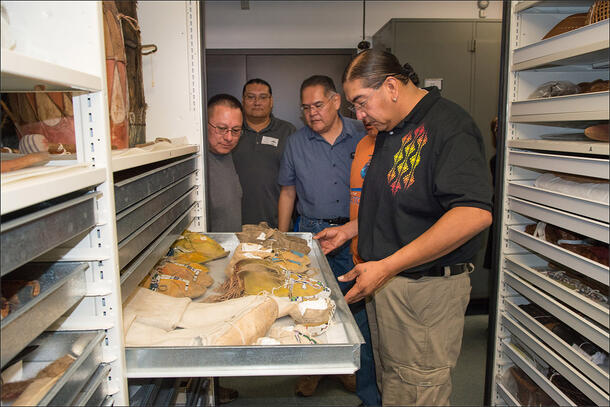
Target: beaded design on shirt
402 174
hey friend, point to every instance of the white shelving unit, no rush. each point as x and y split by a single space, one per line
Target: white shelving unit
579 55
60 45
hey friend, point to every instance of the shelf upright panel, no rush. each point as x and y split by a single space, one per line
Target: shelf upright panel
91 119
528 62
176 107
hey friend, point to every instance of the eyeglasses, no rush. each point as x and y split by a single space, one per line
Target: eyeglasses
223 131
361 106
307 109
251 98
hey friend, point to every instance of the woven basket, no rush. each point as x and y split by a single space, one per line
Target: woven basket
600 10
567 24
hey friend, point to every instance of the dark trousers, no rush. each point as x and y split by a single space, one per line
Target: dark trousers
341 262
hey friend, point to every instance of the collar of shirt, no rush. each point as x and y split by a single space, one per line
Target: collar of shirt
347 131
419 111
269 127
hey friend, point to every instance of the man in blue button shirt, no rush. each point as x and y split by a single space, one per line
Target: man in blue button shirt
315 168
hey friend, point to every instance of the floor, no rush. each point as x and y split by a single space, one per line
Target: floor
468 379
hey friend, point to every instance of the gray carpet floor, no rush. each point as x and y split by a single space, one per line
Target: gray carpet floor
468 379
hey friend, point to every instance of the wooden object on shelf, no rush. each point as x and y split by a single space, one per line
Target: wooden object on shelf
30 392
27 160
47 113
598 132
135 82
600 10
116 72
568 24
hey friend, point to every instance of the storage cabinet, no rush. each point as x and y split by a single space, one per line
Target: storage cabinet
554 330
89 229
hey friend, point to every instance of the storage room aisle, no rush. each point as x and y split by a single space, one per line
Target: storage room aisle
468 379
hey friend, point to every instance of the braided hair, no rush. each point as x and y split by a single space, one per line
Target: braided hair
374 66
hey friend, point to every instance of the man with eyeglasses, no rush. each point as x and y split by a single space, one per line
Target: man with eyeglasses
258 154
225 192
316 169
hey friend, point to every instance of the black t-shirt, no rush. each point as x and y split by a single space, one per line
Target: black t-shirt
432 161
257 159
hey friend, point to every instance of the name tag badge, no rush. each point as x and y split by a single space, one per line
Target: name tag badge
272 141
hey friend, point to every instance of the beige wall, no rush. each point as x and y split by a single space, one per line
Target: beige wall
319 24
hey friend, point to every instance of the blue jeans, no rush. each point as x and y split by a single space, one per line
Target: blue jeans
341 262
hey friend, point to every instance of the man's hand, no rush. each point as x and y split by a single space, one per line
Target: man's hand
334 237
331 238
369 277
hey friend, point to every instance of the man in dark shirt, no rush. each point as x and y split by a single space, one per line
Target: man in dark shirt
224 127
425 200
259 152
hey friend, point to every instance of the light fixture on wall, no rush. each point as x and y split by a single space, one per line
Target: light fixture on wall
364 44
482 4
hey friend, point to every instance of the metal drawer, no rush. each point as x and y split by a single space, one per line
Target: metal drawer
94 392
61 286
340 356
27 237
137 215
131 247
140 267
84 346
134 189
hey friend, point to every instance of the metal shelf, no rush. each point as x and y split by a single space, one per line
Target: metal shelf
589 268
86 347
579 147
46 183
526 190
584 226
339 357
136 188
586 106
586 45
132 218
573 356
44 230
62 285
508 398
125 159
132 246
588 329
93 393
516 263
575 377
137 270
589 167
21 73
553 6
542 382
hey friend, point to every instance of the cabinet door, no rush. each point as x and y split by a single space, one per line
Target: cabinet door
439 49
486 78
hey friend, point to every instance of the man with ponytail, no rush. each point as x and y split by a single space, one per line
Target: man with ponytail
425 200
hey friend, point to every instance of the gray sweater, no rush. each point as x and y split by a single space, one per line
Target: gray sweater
225 194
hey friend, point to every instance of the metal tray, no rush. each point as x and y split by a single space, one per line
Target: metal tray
137 269
61 286
137 215
132 190
94 393
340 356
84 346
27 237
131 247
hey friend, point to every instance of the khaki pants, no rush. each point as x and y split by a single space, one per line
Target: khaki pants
416 329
